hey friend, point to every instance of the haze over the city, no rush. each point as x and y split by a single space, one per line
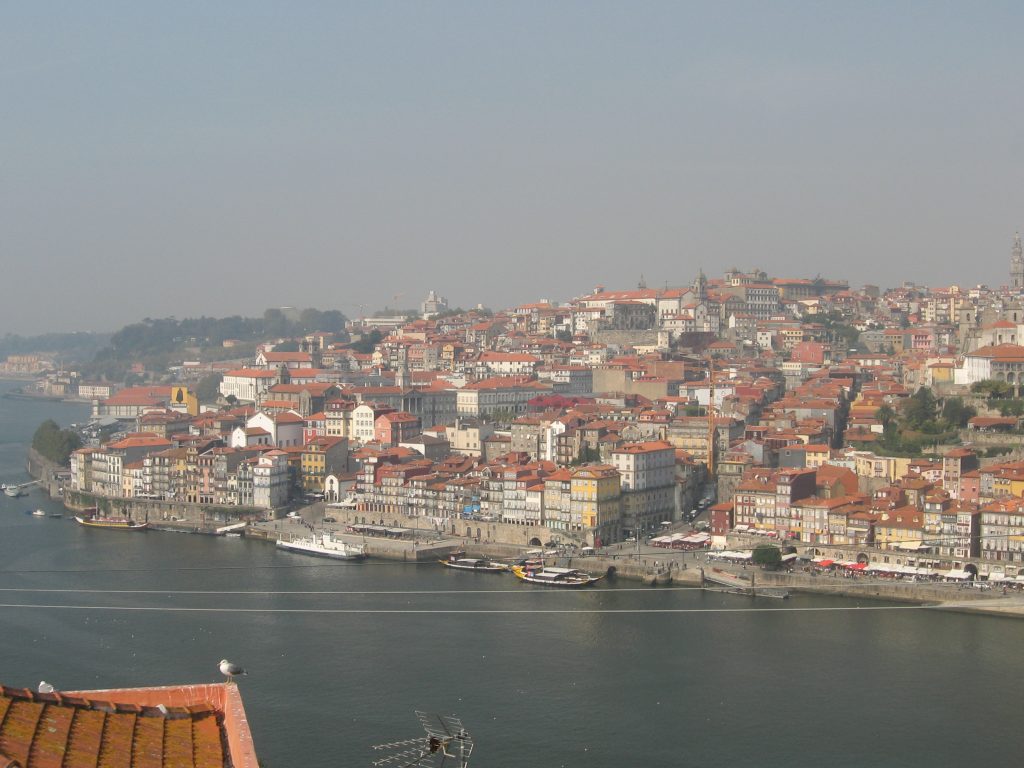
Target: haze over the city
219 159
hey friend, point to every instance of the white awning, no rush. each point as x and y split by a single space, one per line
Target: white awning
956 574
734 555
910 546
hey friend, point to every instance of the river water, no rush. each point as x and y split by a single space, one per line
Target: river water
340 655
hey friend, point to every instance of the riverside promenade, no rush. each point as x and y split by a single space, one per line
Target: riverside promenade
632 561
663 568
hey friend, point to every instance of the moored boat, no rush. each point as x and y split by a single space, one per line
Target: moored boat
474 564
15 491
38 513
531 564
112 523
324 545
555 577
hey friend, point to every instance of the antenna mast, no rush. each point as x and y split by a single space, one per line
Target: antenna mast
446 743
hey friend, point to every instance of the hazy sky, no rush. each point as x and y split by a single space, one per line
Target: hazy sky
219 158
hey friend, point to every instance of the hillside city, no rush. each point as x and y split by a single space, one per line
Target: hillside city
793 409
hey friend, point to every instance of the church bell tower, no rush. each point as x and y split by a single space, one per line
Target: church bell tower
1017 265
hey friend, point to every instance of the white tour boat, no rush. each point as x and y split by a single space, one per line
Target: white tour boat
324 545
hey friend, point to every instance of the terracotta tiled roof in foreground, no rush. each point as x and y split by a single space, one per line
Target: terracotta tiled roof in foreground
200 726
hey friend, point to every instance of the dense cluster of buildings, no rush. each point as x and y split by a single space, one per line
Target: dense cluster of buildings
602 417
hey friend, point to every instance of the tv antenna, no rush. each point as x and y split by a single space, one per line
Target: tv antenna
446 743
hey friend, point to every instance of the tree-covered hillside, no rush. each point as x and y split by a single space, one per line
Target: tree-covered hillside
158 343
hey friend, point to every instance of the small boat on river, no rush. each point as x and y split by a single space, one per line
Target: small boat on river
38 513
555 577
474 564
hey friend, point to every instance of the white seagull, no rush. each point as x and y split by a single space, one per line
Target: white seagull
45 687
230 670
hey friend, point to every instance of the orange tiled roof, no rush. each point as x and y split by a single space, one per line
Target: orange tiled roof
1000 352
75 730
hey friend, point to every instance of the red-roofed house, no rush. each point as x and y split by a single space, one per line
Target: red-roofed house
129 403
285 428
291 360
506 364
390 429
1004 362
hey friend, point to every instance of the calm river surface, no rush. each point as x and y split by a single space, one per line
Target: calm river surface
540 678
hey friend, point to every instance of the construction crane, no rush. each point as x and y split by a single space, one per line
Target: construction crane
446 743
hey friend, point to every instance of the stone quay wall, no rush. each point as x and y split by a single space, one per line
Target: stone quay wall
46 473
478 531
170 514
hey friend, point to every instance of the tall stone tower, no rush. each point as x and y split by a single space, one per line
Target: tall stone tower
1017 265
700 286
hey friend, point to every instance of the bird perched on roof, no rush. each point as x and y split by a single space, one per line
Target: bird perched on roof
229 670
45 687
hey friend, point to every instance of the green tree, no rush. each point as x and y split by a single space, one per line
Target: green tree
767 556
1008 407
992 388
275 323
311 320
886 414
54 443
366 344
920 408
891 435
956 414
208 387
